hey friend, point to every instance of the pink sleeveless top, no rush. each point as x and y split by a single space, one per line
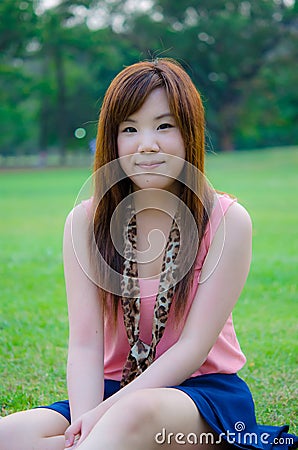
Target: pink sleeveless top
225 356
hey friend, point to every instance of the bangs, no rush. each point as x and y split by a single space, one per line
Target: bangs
133 91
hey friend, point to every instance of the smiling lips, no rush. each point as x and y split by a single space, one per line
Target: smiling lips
149 164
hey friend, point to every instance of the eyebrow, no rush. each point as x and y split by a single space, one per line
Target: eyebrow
161 116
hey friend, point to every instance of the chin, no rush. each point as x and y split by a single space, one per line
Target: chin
154 182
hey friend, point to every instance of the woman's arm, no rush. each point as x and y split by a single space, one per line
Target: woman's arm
85 352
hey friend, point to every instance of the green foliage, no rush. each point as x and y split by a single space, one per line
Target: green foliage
272 113
18 20
56 64
225 46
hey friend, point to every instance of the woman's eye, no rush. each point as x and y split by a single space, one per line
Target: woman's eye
129 130
164 126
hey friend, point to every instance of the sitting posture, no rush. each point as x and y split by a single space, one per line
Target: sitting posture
154 263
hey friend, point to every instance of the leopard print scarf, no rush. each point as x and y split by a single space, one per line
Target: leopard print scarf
141 355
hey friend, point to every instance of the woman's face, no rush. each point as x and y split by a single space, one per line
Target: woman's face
150 145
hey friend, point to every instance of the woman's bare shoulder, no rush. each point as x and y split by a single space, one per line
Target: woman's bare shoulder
238 218
80 213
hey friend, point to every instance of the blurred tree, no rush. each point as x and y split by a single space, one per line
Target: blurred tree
270 117
75 65
56 64
226 43
56 44
17 28
16 110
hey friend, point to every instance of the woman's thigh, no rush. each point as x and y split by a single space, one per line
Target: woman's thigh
181 424
150 419
32 430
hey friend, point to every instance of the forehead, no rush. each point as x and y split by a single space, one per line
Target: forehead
155 102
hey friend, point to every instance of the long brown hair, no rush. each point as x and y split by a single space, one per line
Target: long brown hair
125 95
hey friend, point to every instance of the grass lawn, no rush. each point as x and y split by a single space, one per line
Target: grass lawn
33 315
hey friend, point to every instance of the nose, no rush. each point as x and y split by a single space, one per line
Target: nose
148 145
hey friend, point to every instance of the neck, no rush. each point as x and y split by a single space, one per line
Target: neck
155 202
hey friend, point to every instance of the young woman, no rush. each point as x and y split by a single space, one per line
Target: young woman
154 264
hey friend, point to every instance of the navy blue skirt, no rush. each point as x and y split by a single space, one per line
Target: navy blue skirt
226 404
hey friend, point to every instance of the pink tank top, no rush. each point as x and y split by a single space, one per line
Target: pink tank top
225 356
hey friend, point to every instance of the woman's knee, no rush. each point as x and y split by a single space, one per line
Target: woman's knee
136 412
135 419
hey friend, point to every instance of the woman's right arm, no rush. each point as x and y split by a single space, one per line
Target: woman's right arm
85 352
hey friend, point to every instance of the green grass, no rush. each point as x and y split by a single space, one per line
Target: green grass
33 315
265 316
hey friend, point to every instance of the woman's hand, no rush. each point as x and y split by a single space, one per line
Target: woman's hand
77 432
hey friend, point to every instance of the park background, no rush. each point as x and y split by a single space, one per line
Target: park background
57 59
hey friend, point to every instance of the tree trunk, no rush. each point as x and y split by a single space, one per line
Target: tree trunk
44 112
61 104
226 140
227 118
